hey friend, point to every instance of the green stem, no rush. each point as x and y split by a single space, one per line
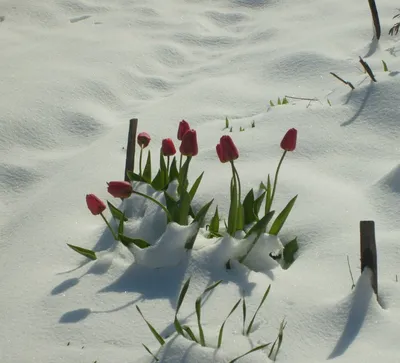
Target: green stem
169 217
180 163
140 161
275 182
109 227
167 176
238 180
232 227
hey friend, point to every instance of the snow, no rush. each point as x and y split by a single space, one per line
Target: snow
73 72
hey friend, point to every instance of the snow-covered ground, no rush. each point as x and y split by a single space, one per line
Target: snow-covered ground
73 72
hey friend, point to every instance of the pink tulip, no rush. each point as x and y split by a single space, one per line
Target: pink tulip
168 147
95 205
288 142
183 128
189 145
120 189
143 139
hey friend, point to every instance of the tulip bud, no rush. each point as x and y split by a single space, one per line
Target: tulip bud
189 145
288 142
183 128
228 150
120 189
220 154
143 139
168 147
95 205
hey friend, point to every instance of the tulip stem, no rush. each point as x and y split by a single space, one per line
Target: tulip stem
109 227
238 180
140 161
233 211
169 217
180 163
167 176
267 210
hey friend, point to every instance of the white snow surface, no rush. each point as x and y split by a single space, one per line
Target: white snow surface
73 72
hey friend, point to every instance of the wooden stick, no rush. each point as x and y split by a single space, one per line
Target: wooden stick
130 148
367 69
302 98
375 18
341 79
368 251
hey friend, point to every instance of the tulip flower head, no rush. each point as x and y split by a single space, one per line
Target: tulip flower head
95 205
183 128
168 147
189 145
288 142
120 189
143 139
226 149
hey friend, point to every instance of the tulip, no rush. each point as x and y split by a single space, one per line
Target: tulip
143 140
95 205
120 189
183 128
288 142
227 149
168 147
189 145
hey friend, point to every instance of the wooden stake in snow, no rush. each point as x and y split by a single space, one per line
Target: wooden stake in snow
130 147
375 18
368 251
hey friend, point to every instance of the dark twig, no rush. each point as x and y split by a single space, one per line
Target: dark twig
302 98
342 80
130 148
368 251
395 28
375 18
367 69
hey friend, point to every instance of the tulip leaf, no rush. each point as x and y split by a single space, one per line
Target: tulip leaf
158 182
150 352
147 169
233 209
116 213
133 176
121 225
163 166
191 212
183 182
201 214
195 186
172 207
268 200
177 324
248 331
262 346
154 332
248 206
190 333
126 241
281 219
214 224
240 218
257 205
173 171
221 330
184 207
83 251
261 225
289 251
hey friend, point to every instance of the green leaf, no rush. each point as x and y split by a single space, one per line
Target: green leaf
260 226
178 326
281 219
221 330
190 333
184 206
250 351
214 224
147 169
285 101
385 67
232 217
133 176
257 205
268 200
163 165
279 101
84 252
195 186
226 123
156 335
240 218
271 103
259 306
121 225
278 339
198 311
248 208
116 213
289 251
172 206
149 351
183 176
173 171
329 102
200 220
158 182
126 241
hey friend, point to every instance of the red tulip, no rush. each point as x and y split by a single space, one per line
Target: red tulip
168 147
288 142
120 189
95 205
143 139
183 128
189 145
227 150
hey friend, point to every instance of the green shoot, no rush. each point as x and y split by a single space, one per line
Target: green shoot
250 351
255 314
149 351
278 339
221 330
156 335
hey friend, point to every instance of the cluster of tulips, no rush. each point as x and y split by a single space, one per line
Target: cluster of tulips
244 215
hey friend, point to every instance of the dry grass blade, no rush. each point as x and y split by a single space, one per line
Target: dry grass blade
221 331
259 306
156 335
375 18
244 309
367 69
250 351
149 351
342 80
